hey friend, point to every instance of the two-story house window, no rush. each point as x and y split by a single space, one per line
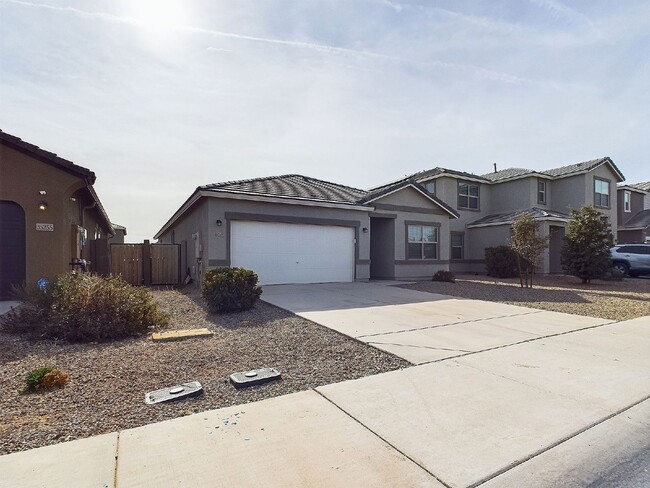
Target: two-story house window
422 242
601 192
431 186
541 192
468 196
457 245
627 201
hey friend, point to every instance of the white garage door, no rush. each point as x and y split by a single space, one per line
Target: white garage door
293 253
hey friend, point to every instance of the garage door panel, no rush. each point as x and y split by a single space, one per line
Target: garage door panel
293 253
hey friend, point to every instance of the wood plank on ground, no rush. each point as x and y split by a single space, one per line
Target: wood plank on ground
177 335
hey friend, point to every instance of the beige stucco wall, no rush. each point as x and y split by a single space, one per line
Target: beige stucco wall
194 221
409 205
22 177
518 194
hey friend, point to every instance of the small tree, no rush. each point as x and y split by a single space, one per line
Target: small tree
528 245
585 253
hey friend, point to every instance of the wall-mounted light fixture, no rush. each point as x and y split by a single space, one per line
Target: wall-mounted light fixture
42 205
365 230
42 192
219 223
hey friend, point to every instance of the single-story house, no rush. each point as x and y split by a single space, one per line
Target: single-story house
297 229
50 214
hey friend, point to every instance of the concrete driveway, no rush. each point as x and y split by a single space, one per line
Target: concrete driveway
571 410
417 326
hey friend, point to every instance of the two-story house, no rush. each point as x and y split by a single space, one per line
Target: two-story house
633 213
297 229
488 204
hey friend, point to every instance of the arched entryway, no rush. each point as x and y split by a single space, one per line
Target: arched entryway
12 247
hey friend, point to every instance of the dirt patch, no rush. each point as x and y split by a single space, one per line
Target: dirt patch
108 381
613 300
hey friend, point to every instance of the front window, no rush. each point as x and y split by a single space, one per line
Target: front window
601 193
541 191
468 196
431 187
457 248
627 204
422 242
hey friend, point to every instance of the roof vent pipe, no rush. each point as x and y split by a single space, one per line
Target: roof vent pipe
495 167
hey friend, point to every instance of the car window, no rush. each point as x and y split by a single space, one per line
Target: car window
635 249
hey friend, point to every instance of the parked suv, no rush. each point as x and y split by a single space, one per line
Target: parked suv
632 259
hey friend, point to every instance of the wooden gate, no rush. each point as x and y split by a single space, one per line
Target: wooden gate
126 260
146 264
165 264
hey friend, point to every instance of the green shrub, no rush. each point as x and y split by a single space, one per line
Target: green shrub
585 253
613 274
84 308
230 289
501 262
443 275
45 378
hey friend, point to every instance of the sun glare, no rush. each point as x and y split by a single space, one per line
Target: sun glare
159 19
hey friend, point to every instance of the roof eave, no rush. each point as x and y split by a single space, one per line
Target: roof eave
424 193
229 194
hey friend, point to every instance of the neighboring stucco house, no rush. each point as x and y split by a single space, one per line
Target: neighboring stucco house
49 213
489 203
120 234
296 229
633 213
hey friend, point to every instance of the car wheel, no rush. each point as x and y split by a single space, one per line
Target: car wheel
622 267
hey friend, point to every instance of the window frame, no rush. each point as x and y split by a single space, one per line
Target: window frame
542 200
430 182
609 192
435 225
469 196
627 201
451 246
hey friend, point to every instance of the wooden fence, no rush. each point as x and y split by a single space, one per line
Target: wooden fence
147 264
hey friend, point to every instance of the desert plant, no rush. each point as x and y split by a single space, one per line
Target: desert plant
230 289
443 275
585 253
45 378
528 245
501 262
85 307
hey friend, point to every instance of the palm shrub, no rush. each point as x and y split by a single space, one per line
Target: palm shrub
230 289
585 253
85 308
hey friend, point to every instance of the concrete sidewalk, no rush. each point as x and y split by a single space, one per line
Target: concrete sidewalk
418 326
503 416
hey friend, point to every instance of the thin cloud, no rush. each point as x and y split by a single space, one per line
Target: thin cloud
558 10
323 48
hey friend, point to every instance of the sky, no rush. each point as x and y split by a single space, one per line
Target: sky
158 97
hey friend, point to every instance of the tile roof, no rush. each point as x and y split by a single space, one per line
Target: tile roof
507 173
386 189
640 219
509 217
644 186
46 156
561 172
422 175
575 168
291 186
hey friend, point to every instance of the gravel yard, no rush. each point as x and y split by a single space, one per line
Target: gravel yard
108 381
611 300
